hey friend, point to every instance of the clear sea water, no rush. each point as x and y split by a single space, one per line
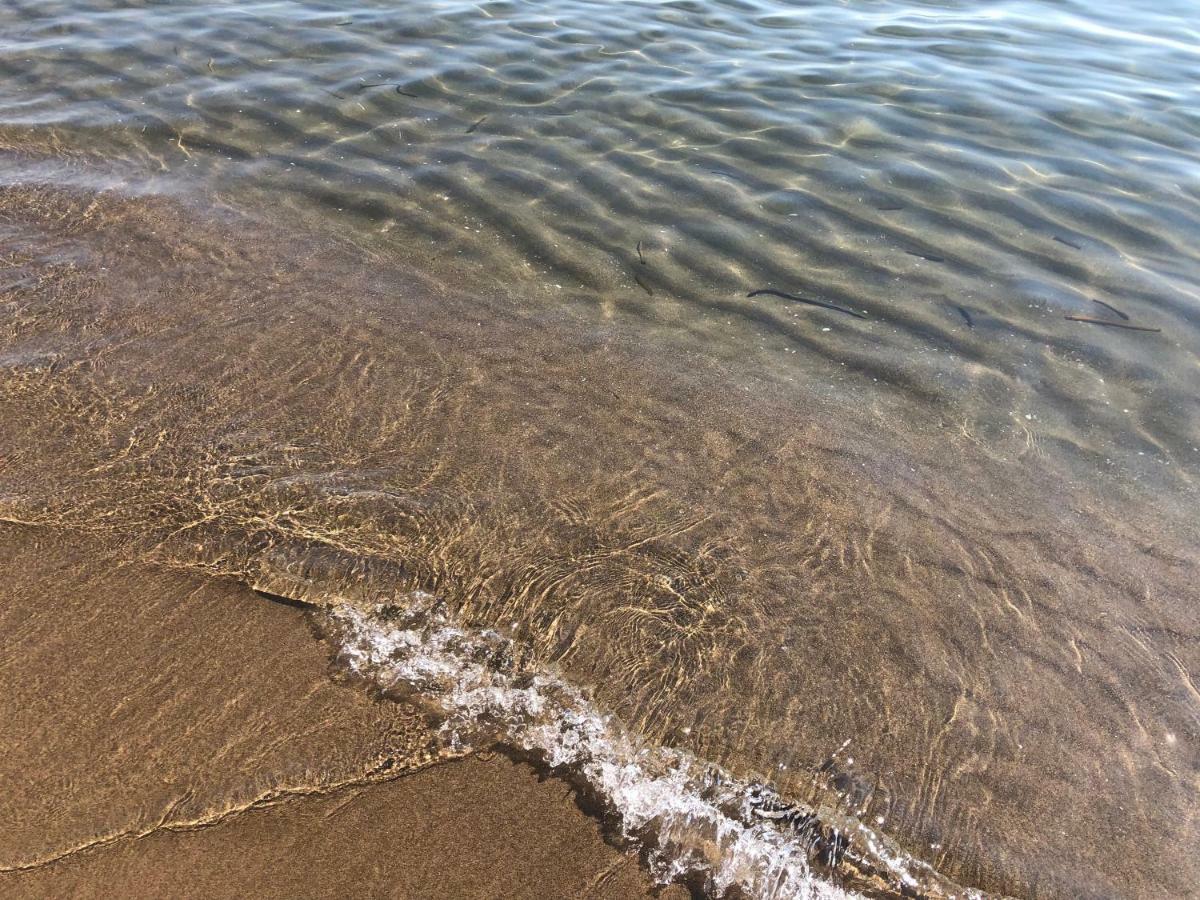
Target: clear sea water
812 387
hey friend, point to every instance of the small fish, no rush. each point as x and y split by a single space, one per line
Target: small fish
962 311
645 287
889 208
1063 240
1111 308
476 124
1109 323
797 299
927 256
641 258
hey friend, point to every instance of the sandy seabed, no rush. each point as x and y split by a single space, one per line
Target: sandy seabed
737 564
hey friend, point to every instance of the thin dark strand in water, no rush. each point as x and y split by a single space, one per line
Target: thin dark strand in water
725 174
797 299
1109 323
962 310
1111 308
476 124
1068 243
889 208
378 84
641 258
927 256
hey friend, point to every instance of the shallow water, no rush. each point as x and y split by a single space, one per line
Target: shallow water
668 158
494 343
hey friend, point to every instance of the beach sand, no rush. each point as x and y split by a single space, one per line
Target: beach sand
170 735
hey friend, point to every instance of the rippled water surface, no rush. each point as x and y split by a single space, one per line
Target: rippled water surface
964 175
545 344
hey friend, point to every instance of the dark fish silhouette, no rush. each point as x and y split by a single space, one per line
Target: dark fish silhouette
1109 323
927 256
376 84
810 302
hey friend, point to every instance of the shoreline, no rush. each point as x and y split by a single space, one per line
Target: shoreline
464 829
302 504
266 778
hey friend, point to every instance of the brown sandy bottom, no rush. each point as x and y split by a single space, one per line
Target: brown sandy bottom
168 735
736 566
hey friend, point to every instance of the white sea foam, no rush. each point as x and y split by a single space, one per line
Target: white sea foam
693 819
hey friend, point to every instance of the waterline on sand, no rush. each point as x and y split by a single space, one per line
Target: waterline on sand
694 821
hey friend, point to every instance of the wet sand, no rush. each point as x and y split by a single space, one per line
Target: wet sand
172 735
467 829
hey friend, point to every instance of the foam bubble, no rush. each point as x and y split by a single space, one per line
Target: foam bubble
694 820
